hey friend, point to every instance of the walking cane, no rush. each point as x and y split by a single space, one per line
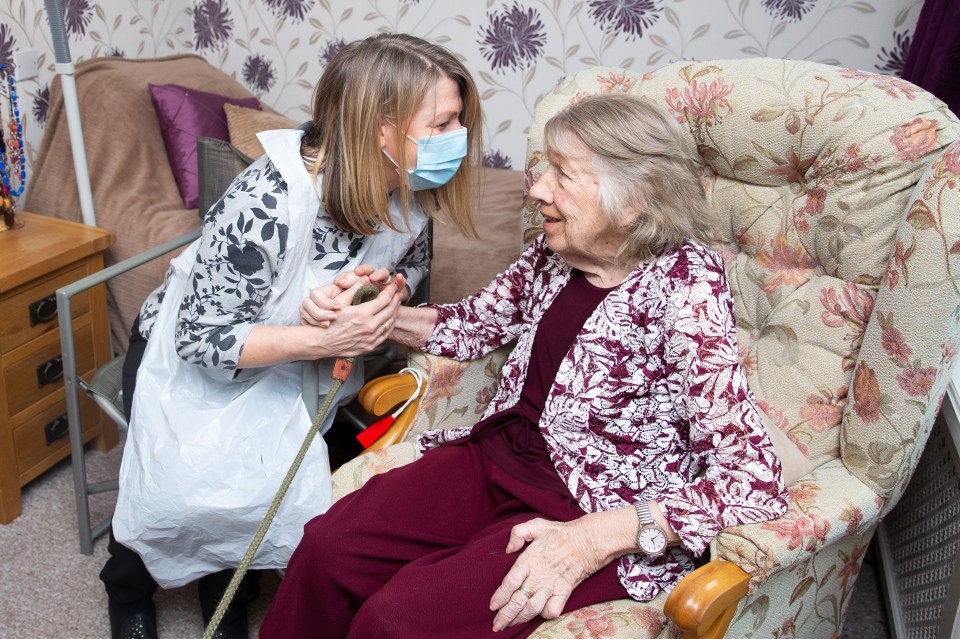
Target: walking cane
341 370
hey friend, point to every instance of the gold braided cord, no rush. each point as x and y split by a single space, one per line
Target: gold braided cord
365 293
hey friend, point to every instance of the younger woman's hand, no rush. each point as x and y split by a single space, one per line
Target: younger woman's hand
360 328
320 306
380 276
350 279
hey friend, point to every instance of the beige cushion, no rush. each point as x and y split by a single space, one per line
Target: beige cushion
793 462
461 265
244 124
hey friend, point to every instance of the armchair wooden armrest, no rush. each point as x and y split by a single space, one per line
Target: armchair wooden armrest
704 602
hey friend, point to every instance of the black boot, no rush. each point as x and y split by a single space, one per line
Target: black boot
232 626
130 591
137 625
234 622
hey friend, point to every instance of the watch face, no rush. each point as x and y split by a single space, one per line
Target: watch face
652 540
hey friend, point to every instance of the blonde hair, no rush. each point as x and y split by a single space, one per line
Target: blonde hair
386 77
649 186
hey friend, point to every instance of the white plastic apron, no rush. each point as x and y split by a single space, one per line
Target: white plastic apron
204 457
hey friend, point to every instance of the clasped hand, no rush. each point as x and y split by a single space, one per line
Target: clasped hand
354 330
558 558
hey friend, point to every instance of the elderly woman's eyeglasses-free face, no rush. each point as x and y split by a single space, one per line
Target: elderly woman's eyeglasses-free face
573 223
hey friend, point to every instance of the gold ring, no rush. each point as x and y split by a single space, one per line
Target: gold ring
383 327
388 280
523 591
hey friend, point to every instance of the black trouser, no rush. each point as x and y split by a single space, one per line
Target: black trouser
127 580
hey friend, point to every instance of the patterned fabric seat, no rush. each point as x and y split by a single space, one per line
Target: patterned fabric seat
839 202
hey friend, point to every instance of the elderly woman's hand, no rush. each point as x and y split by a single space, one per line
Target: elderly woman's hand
559 556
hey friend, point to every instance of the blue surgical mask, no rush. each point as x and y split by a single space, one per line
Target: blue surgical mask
438 158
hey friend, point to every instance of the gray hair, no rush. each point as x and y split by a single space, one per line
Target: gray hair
649 186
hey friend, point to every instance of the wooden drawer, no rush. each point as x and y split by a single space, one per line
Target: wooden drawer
33 371
36 439
31 310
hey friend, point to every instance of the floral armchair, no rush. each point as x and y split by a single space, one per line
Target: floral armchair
840 207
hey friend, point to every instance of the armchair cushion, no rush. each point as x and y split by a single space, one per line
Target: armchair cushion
793 463
186 114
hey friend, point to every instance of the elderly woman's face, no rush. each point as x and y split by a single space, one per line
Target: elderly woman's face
574 226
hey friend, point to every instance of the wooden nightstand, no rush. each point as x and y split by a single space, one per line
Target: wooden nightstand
35 260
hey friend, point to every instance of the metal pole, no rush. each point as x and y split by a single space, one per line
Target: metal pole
64 67
71 391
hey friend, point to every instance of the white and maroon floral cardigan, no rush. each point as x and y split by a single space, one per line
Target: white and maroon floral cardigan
649 403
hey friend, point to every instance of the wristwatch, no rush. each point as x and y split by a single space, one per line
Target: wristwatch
650 538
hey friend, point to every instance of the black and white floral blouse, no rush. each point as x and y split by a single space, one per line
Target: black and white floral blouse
242 251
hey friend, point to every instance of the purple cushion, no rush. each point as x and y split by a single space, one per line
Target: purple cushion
186 114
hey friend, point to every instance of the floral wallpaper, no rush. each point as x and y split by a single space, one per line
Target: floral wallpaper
517 49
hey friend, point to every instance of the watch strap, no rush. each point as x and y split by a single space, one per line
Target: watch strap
643 513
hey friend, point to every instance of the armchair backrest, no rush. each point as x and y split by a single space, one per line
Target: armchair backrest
837 194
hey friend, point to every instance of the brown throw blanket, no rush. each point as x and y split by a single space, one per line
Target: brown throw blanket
134 192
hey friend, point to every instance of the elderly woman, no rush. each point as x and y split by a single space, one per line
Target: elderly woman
621 439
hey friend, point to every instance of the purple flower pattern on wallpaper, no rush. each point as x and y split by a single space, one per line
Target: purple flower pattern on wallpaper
502 41
792 10
514 39
293 9
627 17
76 16
212 25
41 105
258 73
331 50
7 44
894 59
493 159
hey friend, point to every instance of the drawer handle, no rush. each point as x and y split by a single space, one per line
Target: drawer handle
50 371
56 429
43 311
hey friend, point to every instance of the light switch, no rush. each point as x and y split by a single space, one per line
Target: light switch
26 64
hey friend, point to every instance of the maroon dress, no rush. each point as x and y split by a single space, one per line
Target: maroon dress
419 551
511 438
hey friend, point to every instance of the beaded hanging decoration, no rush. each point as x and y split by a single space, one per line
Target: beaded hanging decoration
13 166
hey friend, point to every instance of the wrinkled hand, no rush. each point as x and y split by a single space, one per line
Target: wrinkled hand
558 558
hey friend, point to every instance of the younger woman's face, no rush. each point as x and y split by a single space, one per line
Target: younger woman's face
438 113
